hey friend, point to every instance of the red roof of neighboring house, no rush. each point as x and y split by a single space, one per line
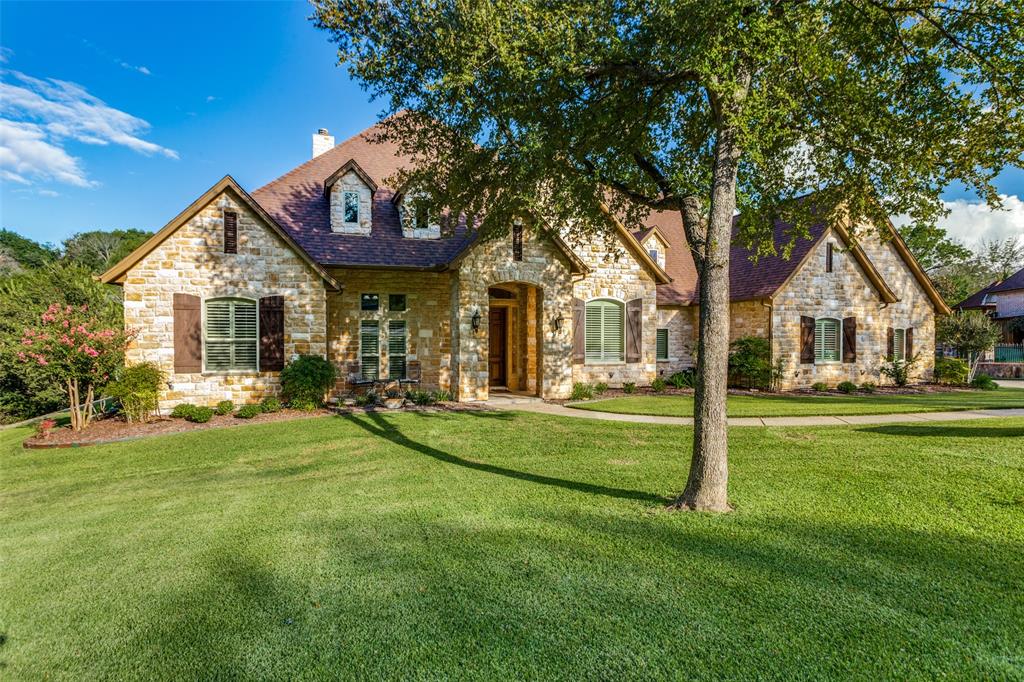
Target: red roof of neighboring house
1011 283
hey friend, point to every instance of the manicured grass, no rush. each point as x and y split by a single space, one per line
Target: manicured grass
514 546
789 405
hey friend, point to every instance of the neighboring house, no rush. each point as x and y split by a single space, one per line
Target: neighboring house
1003 301
329 260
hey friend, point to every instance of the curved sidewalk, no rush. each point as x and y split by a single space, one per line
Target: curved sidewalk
562 411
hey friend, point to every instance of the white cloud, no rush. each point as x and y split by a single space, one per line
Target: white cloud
210 98
141 69
38 116
48 193
973 221
5 54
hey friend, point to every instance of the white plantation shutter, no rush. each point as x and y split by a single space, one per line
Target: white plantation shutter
231 334
369 349
396 349
826 340
605 331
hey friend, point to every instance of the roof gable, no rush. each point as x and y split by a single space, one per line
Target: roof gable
349 166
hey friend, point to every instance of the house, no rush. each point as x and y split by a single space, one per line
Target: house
1003 302
330 260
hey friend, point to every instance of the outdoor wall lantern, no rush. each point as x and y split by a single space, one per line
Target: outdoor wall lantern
476 320
558 323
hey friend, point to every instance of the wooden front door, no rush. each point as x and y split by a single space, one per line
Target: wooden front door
497 344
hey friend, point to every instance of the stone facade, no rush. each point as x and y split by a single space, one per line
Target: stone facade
681 323
846 292
426 314
192 261
351 182
654 243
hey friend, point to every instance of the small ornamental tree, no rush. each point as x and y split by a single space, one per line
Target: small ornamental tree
970 333
76 350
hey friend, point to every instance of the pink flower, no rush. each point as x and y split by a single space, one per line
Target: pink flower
22 356
66 324
42 360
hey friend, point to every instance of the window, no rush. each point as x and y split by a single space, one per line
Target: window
396 303
396 349
369 350
662 345
827 340
422 220
230 232
369 302
605 341
231 336
653 253
351 206
517 241
899 344
828 257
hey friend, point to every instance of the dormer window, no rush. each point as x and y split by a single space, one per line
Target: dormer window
350 193
351 207
417 221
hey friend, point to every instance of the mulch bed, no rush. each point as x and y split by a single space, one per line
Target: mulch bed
916 389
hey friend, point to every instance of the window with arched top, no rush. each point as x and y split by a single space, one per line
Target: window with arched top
828 340
605 330
230 334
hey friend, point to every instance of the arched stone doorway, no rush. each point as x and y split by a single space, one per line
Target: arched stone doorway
514 338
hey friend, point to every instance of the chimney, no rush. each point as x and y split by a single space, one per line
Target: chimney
322 142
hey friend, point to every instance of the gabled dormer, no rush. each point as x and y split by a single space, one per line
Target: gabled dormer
350 193
417 222
655 245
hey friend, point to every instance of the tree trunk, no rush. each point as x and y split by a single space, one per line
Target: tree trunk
707 485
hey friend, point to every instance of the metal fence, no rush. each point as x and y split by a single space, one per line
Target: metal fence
1009 352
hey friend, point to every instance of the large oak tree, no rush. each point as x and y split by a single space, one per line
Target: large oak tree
571 111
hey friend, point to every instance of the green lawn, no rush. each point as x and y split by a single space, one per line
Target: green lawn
513 546
806 405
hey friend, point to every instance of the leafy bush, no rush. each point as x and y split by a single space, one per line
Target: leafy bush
868 387
271 404
899 370
582 391
200 415
420 397
951 371
306 381
224 407
629 387
984 382
443 396
685 379
249 411
600 387
137 389
368 399
750 363
658 385
182 410
820 386
846 387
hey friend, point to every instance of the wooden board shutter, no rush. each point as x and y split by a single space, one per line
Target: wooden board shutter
908 344
890 344
806 340
271 333
230 232
579 336
849 339
634 329
188 334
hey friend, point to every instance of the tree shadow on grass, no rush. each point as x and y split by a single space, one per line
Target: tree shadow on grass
939 430
377 425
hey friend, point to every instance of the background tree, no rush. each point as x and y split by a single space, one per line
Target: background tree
566 112
100 249
26 252
933 248
1000 259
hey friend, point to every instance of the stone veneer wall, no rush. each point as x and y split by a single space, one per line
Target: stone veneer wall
488 264
192 261
616 274
746 318
427 316
350 182
846 292
653 242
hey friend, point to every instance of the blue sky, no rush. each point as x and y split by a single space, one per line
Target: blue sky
135 109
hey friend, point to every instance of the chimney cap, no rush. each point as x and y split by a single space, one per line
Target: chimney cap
321 131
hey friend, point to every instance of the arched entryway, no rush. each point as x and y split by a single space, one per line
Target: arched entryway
514 338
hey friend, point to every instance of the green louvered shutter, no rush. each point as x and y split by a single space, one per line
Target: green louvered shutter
369 349
662 344
826 340
396 349
604 331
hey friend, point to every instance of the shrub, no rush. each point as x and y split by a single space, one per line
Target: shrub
443 396
368 399
271 404
200 415
224 407
303 405
306 381
750 363
819 386
44 427
984 382
249 411
846 387
420 397
137 389
582 391
899 370
951 371
182 410
868 387
629 387
600 387
685 379
658 385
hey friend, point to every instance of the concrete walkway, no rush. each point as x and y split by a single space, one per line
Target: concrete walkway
536 405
